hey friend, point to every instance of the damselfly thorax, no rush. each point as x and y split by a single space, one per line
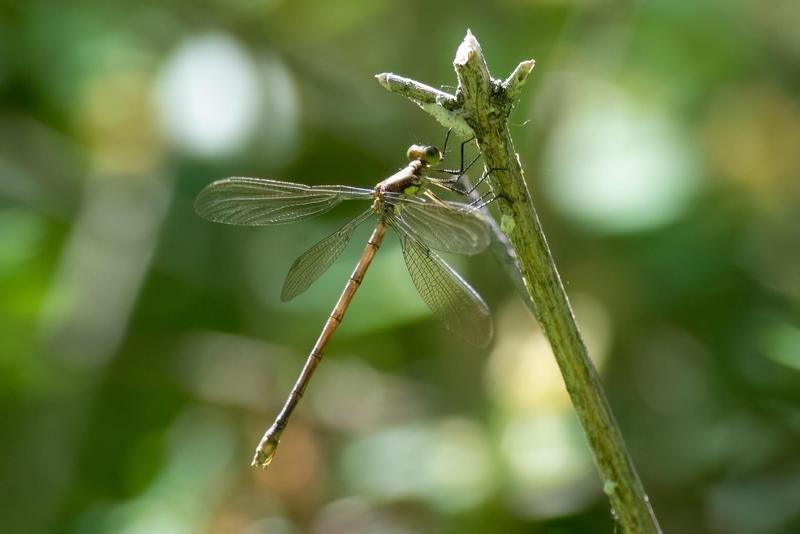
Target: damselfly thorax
408 180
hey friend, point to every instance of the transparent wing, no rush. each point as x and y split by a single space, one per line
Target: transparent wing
448 296
316 260
443 226
257 201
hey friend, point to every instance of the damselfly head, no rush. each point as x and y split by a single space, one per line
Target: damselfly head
429 155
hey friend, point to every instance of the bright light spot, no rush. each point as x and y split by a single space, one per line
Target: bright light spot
358 515
615 165
20 234
460 466
209 96
182 498
118 123
549 463
447 464
521 373
539 448
350 395
244 377
782 343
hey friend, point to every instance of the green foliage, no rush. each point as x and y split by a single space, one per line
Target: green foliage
143 350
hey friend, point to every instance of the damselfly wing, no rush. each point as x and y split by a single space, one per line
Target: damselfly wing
404 202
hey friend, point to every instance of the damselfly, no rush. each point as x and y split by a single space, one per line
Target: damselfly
404 202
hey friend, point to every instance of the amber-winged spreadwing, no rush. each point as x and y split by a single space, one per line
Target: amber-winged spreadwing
404 201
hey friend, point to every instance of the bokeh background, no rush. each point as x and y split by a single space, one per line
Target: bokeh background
143 350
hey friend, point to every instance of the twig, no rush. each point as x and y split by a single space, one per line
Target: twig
481 106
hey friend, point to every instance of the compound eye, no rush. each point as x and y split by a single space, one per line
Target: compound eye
432 155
